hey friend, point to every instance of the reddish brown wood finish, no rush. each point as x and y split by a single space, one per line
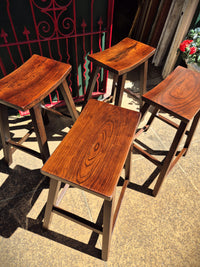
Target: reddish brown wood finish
91 158
179 96
93 153
26 88
32 82
121 59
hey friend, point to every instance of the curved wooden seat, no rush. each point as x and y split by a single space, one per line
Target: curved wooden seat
121 58
32 82
25 89
179 96
105 133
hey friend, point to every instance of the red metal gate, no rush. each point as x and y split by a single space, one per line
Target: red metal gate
66 30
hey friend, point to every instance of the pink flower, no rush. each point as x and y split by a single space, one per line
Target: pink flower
193 50
185 44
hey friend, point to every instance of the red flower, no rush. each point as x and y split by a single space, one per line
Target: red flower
185 44
193 50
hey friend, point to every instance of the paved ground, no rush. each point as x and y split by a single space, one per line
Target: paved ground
161 231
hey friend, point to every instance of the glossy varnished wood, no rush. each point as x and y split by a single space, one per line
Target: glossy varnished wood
178 94
124 56
120 59
25 89
93 153
32 82
91 158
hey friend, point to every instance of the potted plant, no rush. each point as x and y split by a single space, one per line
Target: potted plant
190 49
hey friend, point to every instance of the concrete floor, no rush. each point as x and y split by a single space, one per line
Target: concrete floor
161 231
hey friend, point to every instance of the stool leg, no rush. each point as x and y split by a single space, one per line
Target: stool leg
120 89
168 160
191 131
128 165
144 110
5 133
69 100
113 92
149 122
91 84
40 131
52 197
143 80
44 115
107 227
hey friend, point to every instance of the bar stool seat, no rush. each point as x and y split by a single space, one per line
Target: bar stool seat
179 96
120 59
25 89
91 158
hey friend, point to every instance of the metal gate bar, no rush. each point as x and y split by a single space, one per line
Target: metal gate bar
59 29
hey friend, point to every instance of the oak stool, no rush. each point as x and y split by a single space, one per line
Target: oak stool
179 96
120 59
91 158
25 89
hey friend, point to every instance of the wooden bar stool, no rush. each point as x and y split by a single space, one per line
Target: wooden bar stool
179 96
25 89
120 59
104 133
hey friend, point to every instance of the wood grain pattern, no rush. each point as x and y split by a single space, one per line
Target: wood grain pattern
159 22
93 153
32 82
168 31
187 14
178 94
124 56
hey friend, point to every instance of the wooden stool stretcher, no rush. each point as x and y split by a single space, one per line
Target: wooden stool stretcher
25 89
179 96
91 157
